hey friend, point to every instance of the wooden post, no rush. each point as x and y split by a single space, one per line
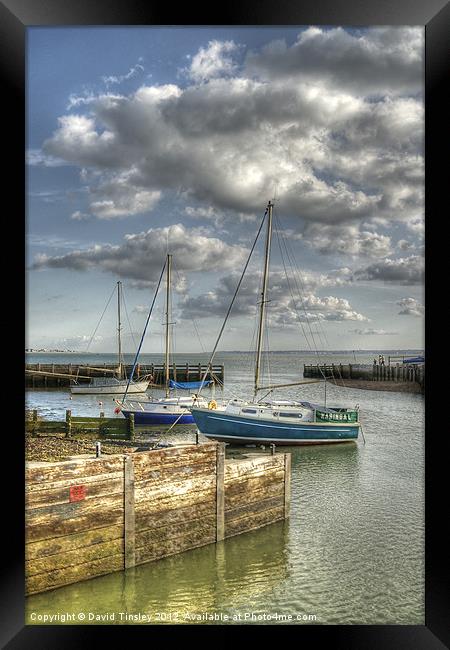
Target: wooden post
131 426
34 423
220 492
187 371
68 423
349 370
199 371
174 371
287 485
129 514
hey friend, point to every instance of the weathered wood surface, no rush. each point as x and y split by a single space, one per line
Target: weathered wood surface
141 507
178 545
241 497
254 493
254 507
220 493
65 519
59 577
73 542
173 473
90 553
31 488
60 495
287 484
147 462
237 470
244 524
174 516
72 469
164 534
129 513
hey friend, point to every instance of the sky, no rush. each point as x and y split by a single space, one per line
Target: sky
148 140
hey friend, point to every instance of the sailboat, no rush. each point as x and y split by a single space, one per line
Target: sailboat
279 422
165 410
111 385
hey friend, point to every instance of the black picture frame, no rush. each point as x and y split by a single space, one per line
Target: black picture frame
15 17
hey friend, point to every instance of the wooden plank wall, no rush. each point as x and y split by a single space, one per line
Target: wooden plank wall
175 500
71 541
257 492
143 507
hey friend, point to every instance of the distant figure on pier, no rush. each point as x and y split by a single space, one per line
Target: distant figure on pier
382 359
375 361
379 359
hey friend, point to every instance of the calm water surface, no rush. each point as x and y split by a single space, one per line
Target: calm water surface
351 552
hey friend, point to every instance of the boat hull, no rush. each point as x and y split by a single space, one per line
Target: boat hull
138 387
236 429
152 417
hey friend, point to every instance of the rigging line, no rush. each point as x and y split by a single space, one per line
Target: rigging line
292 295
267 342
192 318
143 334
296 269
232 301
304 309
128 318
101 317
321 330
302 300
251 359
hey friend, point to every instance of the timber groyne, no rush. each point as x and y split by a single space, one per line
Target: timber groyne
57 375
88 517
398 373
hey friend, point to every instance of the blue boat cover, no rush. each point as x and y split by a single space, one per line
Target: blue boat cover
414 360
188 385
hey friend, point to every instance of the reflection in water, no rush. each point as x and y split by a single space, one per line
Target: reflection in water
228 576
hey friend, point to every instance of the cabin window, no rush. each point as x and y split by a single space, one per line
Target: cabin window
290 415
248 410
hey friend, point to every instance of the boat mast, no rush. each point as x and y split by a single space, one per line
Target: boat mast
119 369
167 369
262 308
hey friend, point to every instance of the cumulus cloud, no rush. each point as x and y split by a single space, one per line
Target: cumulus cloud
140 257
410 307
289 302
366 62
347 240
212 61
404 271
323 120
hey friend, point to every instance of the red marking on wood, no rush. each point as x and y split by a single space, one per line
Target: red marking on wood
77 493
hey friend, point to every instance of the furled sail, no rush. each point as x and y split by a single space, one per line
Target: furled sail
188 385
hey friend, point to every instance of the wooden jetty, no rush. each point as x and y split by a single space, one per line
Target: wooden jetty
398 372
56 375
91 516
